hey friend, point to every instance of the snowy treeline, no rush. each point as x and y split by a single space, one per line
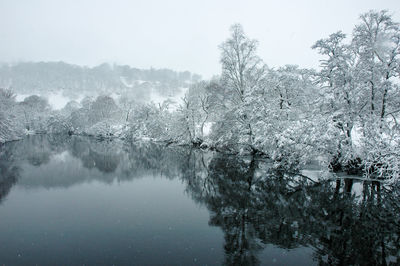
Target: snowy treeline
344 113
72 81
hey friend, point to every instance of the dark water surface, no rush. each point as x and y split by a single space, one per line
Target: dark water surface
75 200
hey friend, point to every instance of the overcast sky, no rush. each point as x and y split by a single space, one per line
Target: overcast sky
176 34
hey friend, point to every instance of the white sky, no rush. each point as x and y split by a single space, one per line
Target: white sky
176 34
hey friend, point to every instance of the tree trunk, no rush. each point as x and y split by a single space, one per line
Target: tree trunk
372 97
348 185
383 109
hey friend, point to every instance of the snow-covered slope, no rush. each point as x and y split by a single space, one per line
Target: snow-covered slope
61 82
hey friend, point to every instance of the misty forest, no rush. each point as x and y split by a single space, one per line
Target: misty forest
282 165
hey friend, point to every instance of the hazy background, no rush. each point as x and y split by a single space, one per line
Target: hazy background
176 34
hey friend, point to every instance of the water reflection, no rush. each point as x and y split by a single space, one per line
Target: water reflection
252 204
8 171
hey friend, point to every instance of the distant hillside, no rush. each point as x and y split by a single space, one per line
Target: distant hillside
49 77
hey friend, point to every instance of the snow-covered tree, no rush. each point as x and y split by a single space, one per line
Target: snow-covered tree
376 41
340 100
10 128
359 85
104 107
243 73
35 110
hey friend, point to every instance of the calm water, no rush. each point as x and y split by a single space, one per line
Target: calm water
74 201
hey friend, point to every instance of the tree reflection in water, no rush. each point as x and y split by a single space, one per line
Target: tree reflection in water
251 203
9 171
254 209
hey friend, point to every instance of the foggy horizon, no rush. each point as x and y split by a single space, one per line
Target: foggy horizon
175 35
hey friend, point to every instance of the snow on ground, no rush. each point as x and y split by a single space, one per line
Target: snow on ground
139 81
115 96
134 82
125 82
21 97
56 100
176 100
